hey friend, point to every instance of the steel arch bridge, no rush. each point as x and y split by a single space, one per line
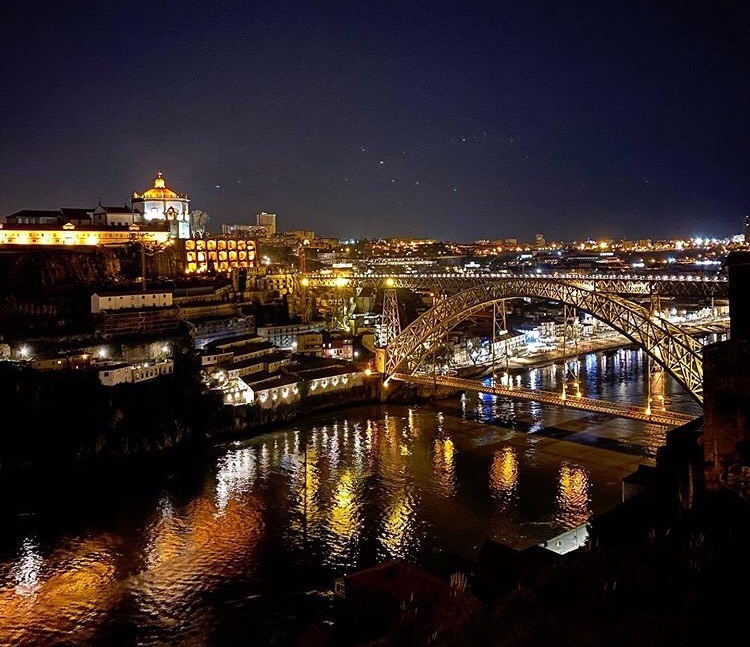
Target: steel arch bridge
664 285
673 349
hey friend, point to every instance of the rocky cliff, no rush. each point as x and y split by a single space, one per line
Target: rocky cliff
66 417
46 268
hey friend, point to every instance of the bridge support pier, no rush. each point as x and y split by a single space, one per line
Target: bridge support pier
570 377
391 321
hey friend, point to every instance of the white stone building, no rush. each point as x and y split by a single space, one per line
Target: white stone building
161 203
130 300
114 374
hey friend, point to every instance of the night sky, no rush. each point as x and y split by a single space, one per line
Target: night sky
458 120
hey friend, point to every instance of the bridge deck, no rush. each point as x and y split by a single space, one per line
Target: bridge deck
663 418
640 284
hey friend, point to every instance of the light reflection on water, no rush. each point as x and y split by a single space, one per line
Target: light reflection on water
504 476
618 375
288 510
573 496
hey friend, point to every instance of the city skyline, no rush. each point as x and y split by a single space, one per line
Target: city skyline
374 323
624 121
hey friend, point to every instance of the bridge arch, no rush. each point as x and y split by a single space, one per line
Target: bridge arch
674 350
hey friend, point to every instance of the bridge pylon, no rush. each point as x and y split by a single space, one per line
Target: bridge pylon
500 330
655 376
342 307
570 377
390 324
656 380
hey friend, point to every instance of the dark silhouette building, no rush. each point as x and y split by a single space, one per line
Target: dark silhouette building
726 390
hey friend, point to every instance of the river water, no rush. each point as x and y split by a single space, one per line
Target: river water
242 545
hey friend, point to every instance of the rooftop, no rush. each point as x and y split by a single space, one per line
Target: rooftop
123 209
252 361
262 381
227 342
326 371
114 367
400 581
124 293
58 226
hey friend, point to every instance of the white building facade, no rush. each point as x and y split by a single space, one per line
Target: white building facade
162 203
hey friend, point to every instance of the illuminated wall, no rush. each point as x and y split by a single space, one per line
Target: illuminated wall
79 237
218 254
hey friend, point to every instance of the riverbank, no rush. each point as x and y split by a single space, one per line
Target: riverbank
246 421
520 364
67 421
70 417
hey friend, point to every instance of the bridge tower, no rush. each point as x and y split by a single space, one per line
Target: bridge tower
570 377
340 312
390 324
655 376
500 329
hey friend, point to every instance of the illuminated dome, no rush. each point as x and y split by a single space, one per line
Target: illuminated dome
159 191
162 205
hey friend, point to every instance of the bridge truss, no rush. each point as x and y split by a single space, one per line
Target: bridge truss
666 285
670 347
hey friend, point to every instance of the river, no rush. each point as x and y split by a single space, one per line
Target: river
242 545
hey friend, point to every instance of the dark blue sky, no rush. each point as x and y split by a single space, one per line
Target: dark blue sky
458 120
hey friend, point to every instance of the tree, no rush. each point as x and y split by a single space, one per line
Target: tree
198 222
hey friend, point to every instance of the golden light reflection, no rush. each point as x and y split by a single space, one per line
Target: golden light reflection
65 590
196 543
504 474
573 495
306 483
444 463
414 426
343 512
397 536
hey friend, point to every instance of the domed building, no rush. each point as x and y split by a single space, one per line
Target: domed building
162 203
